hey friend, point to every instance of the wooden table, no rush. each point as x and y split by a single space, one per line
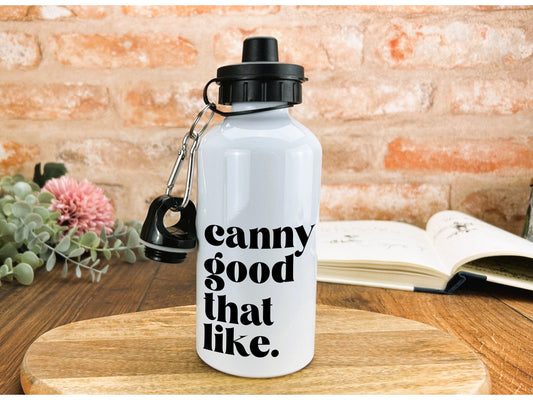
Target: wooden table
494 321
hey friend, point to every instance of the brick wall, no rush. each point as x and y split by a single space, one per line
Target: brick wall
418 108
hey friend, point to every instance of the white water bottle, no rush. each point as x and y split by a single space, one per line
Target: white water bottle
257 214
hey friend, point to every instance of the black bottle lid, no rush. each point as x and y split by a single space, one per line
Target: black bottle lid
260 76
168 244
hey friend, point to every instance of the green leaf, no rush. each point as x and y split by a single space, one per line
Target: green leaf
119 226
51 262
29 258
137 225
133 238
9 229
42 212
140 251
63 245
45 197
6 209
107 253
94 255
64 271
76 252
54 215
8 250
56 233
129 256
20 209
33 220
21 189
72 231
20 234
78 271
43 236
30 199
23 273
4 271
103 236
90 239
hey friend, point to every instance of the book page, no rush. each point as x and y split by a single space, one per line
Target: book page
510 271
460 238
387 242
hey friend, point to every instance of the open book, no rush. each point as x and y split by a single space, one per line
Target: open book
397 255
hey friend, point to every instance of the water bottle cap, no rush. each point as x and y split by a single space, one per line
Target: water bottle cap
260 76
169 244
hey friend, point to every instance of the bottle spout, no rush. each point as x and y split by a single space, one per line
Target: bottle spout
260 49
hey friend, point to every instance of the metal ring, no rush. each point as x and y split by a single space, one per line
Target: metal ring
192 132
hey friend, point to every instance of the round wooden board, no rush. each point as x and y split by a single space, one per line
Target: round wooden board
153 352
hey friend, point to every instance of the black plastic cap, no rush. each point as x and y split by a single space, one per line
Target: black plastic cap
260 77
168 244
260 48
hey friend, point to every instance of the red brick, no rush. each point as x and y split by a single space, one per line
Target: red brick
130 50
186 11
316 47
25 13
405 9
172 106
114 154
344 155
349 101
500 8
405 44
399 202
19 50
13 13
52 101
49 12
397 9
491 97
90 12
459 155
13 155
52 12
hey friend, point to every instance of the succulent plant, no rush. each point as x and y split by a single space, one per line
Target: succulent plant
31 237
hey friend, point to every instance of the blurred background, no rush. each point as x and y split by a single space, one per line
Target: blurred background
418 108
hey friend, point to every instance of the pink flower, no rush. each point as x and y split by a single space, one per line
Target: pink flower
81 204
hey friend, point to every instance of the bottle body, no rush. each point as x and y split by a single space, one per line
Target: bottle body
258 207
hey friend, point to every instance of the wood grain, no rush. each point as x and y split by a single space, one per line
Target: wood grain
153 352
29 311
494 321
502 337
173 285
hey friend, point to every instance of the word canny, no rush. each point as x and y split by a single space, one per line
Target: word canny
258 238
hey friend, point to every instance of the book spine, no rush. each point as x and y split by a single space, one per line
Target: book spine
454 283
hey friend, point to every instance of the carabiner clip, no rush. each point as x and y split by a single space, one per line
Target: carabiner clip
182 154
171 244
